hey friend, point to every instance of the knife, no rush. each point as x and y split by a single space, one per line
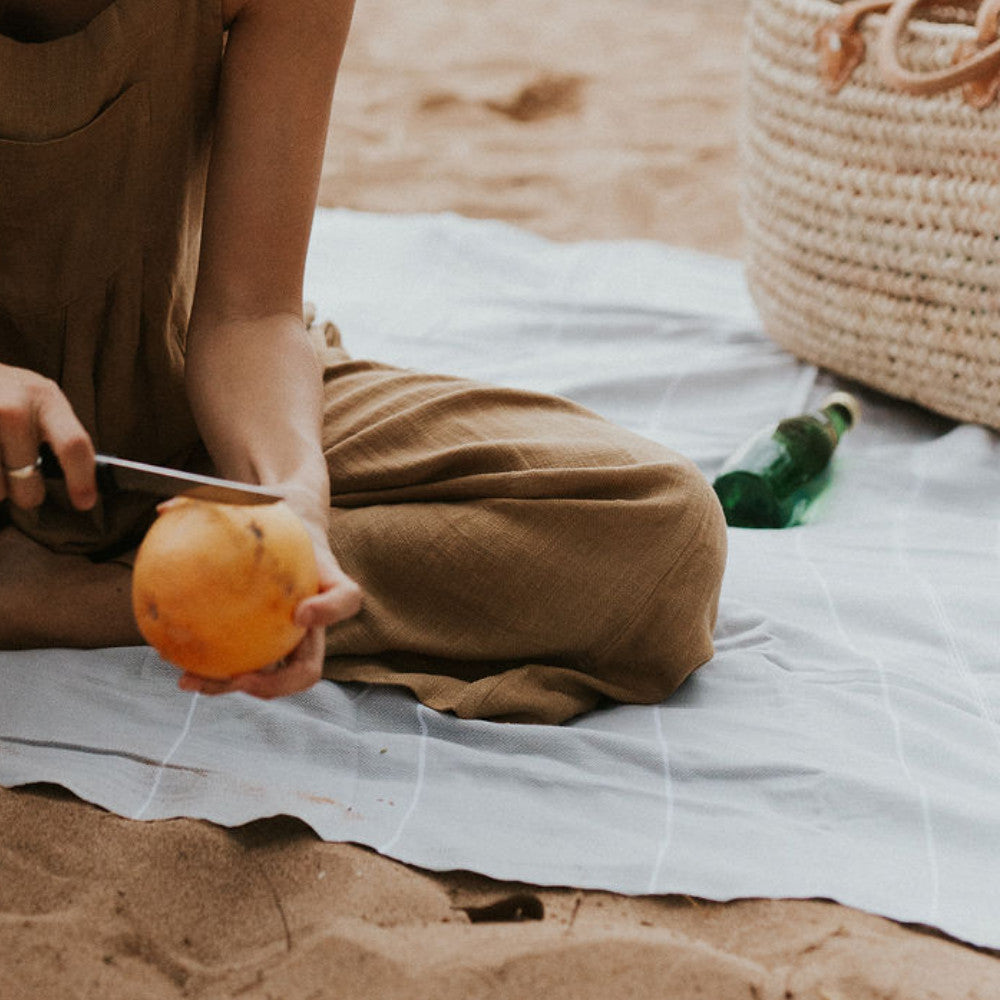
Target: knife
115 474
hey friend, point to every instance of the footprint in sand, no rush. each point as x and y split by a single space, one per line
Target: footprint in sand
546 96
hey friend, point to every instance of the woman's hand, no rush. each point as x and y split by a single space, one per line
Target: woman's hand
33 409
339 598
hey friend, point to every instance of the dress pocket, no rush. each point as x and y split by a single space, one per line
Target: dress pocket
73 207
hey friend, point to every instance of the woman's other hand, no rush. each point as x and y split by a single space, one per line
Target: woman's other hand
33 409
338 599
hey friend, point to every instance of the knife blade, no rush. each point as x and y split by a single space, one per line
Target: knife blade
116 474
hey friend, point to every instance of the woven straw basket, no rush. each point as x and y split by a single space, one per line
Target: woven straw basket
871 193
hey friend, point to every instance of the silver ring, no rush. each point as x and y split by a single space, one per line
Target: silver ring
24 471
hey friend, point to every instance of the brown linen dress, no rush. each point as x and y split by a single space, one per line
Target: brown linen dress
104 143
521 557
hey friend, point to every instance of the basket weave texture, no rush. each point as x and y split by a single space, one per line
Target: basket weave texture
872 217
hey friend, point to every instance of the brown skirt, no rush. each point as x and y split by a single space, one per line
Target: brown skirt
521 557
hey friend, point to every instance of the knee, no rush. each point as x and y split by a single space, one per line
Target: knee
666 617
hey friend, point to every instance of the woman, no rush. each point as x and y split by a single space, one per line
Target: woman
520 557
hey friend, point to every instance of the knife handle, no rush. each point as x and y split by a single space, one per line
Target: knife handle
50 468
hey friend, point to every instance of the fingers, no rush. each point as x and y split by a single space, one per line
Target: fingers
300 670
73 448
339 596
33 409
339 599
22 483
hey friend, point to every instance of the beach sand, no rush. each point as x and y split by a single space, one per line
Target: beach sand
579 119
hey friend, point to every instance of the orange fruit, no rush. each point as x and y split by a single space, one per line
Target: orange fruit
215 585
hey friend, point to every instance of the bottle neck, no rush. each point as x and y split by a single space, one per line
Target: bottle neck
839 420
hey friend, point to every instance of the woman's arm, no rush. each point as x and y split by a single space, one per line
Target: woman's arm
253 378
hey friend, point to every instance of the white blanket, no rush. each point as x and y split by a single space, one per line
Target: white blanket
843 742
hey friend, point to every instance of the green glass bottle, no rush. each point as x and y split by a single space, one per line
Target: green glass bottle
772 479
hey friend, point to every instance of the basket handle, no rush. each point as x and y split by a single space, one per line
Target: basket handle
839 43
973 63
976 64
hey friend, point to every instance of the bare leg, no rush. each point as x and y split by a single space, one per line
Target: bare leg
48 599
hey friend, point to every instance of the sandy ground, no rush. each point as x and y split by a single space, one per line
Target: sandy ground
575 119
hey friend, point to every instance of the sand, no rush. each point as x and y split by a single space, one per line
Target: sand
575 119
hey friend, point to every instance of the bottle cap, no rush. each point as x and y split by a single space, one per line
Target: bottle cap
846 402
